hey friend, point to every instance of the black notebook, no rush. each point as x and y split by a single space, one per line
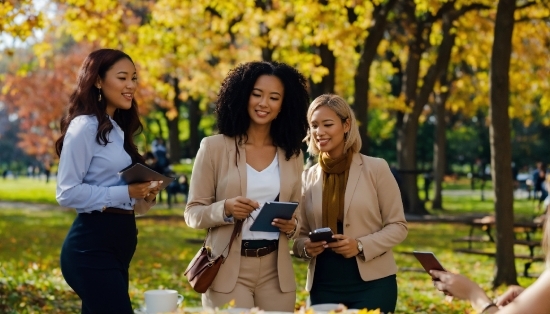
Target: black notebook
270 211
141 173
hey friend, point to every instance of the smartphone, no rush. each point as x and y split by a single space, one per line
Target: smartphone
428 261
321 234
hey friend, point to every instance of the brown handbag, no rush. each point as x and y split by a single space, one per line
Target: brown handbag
204 267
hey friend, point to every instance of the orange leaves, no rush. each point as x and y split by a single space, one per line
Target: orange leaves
39 99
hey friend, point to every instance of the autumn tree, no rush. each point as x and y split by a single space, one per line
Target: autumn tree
18 20
39 97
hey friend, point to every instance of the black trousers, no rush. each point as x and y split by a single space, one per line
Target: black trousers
95 259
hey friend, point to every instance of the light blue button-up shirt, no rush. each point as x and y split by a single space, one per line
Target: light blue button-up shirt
88 178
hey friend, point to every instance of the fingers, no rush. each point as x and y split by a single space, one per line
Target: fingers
437 273
138 190
284 225
240 207
248 202
509 296
314 248
439 285
154 188
344 246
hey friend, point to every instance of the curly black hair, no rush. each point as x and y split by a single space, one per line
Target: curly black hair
290 127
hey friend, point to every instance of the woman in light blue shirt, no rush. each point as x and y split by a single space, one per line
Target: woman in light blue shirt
96 143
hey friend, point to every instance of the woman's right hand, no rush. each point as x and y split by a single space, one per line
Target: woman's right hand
459 286
314 248
509 296
139 190
239 207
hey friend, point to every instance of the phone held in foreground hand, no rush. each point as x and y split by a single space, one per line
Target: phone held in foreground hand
321 234
430 262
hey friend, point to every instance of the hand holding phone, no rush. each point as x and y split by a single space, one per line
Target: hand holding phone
321 234
430 262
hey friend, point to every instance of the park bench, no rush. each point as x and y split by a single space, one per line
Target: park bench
523 232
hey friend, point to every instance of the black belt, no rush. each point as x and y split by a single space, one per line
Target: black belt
112 210
258 248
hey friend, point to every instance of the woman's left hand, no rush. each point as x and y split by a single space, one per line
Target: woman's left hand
153 191
345 246
285 226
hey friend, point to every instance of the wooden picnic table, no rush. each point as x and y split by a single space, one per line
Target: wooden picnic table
524 232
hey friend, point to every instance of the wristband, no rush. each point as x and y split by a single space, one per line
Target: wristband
488 306
305 254
290 234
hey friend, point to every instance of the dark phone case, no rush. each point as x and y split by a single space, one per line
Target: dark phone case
322 236
428 261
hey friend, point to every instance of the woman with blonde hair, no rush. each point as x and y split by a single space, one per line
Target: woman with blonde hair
357 197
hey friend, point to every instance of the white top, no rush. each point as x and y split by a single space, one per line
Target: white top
262 186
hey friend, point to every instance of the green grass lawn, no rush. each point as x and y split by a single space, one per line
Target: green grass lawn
31 281
26 189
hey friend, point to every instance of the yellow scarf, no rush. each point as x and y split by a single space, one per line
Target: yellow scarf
334 188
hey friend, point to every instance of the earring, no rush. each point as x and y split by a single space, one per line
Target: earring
99 98
345 137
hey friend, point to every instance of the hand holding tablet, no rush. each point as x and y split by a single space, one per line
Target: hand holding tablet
270 211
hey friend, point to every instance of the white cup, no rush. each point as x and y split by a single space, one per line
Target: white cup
162 301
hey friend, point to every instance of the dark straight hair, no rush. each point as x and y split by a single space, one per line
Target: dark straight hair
84 101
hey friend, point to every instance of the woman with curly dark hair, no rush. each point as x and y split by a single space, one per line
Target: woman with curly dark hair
96 143
256 158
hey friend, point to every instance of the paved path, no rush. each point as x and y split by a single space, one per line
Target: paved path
27 205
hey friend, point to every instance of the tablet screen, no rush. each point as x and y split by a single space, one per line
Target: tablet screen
270 211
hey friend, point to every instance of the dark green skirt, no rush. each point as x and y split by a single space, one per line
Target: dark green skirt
337 280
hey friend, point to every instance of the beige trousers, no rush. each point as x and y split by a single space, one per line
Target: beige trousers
257 286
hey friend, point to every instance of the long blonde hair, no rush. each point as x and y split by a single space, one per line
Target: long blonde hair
344 112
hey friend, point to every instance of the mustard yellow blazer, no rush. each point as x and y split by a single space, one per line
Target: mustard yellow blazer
373 214
219 175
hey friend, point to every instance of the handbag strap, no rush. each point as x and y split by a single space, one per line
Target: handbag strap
236 231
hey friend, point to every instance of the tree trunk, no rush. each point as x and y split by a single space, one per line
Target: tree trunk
328 60
440 144
362 72
267 50
173 126
501 147
416 99
194 121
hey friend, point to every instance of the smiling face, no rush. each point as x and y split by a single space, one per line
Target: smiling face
266 100
328 130
118 86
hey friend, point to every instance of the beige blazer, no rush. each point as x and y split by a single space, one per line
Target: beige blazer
373 214
219 175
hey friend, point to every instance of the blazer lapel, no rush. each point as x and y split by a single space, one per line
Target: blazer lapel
285 173
233 172
353 179
317 197
241 165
